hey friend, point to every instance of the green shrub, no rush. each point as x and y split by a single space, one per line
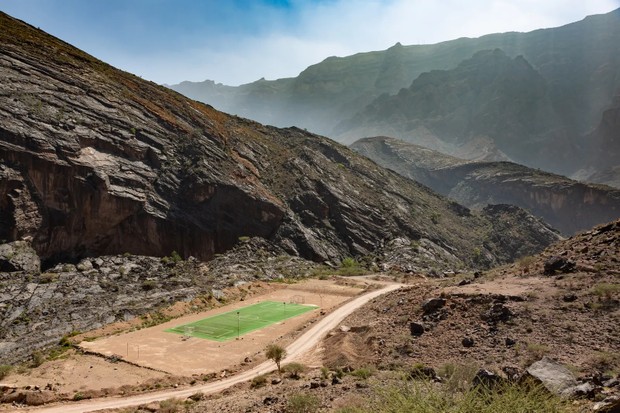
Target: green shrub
362 373
258 381
302 403
5 369
349 263
294 369
175 257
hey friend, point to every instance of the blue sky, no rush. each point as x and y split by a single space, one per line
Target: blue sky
239 41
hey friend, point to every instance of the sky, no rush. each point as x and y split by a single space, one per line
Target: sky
240 41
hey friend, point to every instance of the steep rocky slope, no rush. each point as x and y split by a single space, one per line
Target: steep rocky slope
567 205
602 165
97 161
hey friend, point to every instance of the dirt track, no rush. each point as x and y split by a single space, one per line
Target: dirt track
303 344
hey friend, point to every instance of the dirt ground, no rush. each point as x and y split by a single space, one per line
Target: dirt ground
153 354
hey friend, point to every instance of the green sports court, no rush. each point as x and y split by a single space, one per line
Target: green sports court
236 323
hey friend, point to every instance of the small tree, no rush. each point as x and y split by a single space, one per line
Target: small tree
275 353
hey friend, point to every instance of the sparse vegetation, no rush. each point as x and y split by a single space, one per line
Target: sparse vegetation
424 397
606 291
350 267
302 403
258 381
362 373
37 359
170 406
5 369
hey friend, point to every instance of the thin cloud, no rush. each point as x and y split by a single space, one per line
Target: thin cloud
239 41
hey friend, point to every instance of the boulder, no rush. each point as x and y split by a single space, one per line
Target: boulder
467 342
486 379
498 312
19 256
417 329
554 376
556 264
433 304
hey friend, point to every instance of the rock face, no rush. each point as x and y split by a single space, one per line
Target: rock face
19 256
38 310
567 205
97 161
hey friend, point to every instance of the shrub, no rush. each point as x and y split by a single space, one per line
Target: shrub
295 369
349 263
48 277
457 377
362 373
37 359
5 369
175 257
302 403
170 406
605 290
258 381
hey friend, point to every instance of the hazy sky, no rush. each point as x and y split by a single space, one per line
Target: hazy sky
239 41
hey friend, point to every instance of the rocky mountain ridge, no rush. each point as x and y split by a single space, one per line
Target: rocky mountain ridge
567 205
99 162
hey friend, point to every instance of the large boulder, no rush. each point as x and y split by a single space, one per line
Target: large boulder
554 376
19 256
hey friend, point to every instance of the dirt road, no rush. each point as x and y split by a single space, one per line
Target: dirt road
303 344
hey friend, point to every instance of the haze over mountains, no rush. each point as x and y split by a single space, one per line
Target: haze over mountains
542 102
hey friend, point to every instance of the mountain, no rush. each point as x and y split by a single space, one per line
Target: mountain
489 98
97 161
576 66
568 205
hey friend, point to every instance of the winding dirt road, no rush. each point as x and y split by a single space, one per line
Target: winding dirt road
303 344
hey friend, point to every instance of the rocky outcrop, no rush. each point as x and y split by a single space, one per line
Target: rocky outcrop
99 162
19 256
37 310
567 205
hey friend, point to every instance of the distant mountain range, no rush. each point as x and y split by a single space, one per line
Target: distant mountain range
536 98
